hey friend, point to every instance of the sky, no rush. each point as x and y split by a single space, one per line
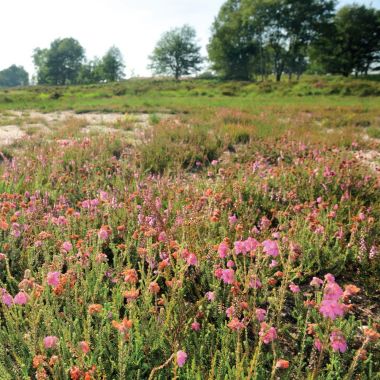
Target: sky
134 26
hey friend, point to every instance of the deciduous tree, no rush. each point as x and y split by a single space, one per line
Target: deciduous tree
177 53
61 63
14 76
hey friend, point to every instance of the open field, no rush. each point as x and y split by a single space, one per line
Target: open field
191 230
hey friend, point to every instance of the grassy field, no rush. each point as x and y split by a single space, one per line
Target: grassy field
191 230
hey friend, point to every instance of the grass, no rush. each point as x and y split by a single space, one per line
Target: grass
205 249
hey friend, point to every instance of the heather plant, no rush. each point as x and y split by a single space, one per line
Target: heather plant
207 249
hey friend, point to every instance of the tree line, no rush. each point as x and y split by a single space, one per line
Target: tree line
257 38
250 40
65 63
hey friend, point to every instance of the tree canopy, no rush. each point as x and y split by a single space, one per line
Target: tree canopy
257 37
112 66
14 76
61 63
250 39
177 53
351 43
65 63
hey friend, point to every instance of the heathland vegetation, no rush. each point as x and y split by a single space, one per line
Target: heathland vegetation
218 227
208 229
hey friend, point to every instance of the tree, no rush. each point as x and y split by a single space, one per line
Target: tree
303 21
61 63
351 44
91 72
248 33
233 45
177 53
112 65
14 76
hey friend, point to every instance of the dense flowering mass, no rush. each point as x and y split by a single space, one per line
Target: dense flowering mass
331 305
187 250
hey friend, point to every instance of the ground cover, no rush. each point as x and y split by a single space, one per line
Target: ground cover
150 231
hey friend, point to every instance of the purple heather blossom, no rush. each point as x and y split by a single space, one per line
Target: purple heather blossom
271 247
181 358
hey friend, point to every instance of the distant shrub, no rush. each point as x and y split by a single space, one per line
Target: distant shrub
55 95
119 91
154 119
173 146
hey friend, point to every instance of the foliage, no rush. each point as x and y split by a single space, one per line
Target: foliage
112 65
232 47
64 63
14 76
177 53
199 249
60 64
262 37
352 43
207 271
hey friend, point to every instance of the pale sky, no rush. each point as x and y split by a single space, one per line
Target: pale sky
134 26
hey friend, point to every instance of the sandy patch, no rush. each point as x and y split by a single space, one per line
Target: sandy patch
9 134
371 158
19 124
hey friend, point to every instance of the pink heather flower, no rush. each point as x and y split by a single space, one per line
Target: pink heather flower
38 243
195 326
230 311
103 234
316 282
230 264
331 309
53 278
6 298
332 292
338 342
240 247
271 247
251 244
228 276
273 264
318 344
260 314
218 273
103 195
329 277
223 250
235 324
267 334
264 223
84 347
181 358
192 259
67 246
162 236
232 219
50 341
210 296
21 298
255 283
294 288
255 230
